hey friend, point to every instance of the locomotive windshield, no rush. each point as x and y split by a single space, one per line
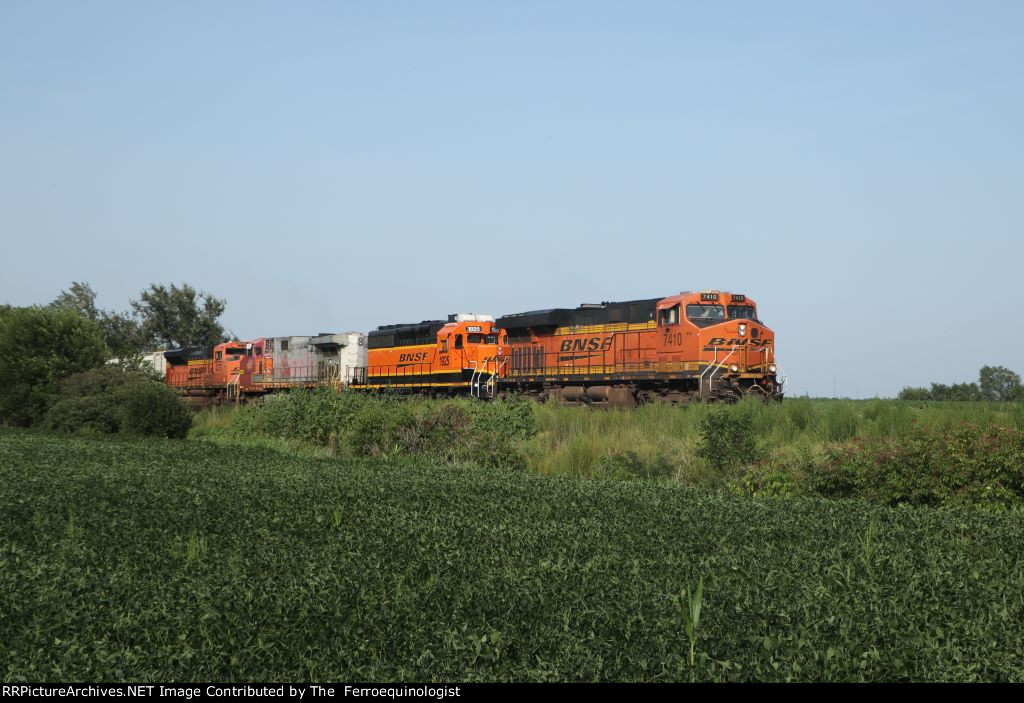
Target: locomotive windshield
742 312
704 315
483 339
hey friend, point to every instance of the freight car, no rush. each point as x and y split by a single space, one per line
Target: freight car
437 357
709 346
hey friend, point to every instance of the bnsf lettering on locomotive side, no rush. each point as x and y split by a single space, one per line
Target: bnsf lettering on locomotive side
418 356
737 342
592 344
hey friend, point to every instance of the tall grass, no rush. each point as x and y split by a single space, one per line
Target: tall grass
576 441
791 441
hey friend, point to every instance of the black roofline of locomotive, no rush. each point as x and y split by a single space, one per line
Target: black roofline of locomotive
605 313
177 357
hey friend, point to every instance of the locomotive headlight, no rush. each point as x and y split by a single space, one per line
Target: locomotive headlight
743 328
734 368
771 368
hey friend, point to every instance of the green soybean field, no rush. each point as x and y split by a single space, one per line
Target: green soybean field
172 560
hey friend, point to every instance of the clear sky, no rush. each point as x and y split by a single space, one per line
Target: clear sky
857 168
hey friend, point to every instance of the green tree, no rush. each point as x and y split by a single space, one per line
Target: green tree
998 383
180 317
122 332
38 347
964 391
914 393
80 298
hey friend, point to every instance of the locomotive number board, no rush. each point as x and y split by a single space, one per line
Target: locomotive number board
473 328
709 296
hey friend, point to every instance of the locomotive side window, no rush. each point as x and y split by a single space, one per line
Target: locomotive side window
284 345
458 341
669 316
219 355
704 315
444 345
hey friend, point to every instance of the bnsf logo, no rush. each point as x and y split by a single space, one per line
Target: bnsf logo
737 342
592 344
418 356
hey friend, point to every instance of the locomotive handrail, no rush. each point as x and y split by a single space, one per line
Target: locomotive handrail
714 367
780 380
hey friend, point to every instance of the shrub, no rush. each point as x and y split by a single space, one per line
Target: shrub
629 465
375 425
154 409
111 399
727 438
968 464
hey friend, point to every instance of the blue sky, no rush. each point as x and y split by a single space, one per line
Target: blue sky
856 168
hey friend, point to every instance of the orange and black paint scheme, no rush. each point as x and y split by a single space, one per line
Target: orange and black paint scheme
437 357
224 369
709 346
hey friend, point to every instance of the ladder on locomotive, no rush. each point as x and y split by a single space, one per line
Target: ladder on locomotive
234 388
480 387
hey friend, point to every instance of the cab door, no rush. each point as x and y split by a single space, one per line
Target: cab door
670 336
444 354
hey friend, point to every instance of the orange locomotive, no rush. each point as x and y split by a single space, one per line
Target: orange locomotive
235 370
224 370
434 356
708 346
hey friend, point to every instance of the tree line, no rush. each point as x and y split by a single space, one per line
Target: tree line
55 359
164 317
995 383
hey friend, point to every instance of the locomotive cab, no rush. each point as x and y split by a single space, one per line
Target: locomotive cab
457 355
736 351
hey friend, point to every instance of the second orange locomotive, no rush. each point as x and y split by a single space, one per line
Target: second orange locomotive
435 356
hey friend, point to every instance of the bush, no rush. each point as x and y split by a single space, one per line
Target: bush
378 425
38 348
968 464
631 465
111 399
727 438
